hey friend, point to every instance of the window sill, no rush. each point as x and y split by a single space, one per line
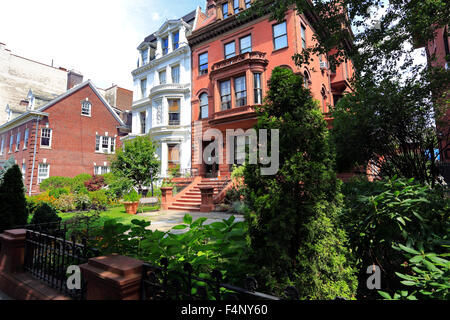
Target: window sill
87 116
280 49
44 147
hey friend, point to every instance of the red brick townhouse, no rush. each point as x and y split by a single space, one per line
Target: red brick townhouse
233 60
72 134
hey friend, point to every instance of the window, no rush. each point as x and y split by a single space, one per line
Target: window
165 46
176 40
303 36
225 94
324 99
241 91
43 172
230 50
346 69
236 6
248 4
225 10
24 170
306 79
18 141
176 74
162 77
3 145
258 88
280 39
173 155
98 170
11 142
105 144
144 55
143 88
142 117
174 112
204 106
86 108
46 137
203 63
245 44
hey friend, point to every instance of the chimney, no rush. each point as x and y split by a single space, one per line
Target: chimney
74 78
210 7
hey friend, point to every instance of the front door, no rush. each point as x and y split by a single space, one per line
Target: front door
211 170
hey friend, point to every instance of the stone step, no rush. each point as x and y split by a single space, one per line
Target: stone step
182 208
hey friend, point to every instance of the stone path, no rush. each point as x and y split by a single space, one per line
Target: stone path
165 220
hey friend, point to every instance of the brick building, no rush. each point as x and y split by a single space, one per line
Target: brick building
232 61
72 134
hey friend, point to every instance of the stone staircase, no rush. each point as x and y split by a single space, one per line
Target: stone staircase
191 198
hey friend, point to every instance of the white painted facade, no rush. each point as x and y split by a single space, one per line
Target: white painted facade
151 112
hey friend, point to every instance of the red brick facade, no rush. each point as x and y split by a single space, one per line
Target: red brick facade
213 33
72 149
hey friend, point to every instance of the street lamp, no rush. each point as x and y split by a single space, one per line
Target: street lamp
151 179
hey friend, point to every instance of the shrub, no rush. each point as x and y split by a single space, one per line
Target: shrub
35 201
45 214
95 183
66 203
55 183
118 185
82 201
13 204
99 200
132 196
57 193
387 213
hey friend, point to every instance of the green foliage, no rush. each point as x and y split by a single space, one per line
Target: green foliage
118 186
175 171
45 214
13 205
99 200
427 277
72 184
6 166
287 209
383 214
219 245
132 196
135 160
95 183
58 192
66 203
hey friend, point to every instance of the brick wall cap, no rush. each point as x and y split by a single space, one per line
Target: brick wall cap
120 265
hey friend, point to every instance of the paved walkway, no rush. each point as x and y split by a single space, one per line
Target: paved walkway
165 220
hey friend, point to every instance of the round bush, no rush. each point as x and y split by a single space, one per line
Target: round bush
45 214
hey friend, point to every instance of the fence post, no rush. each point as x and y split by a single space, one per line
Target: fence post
112 277
166 197
207 199
12 255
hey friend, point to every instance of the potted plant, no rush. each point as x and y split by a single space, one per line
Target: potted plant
131 201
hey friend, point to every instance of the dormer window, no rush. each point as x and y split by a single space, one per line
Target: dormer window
165 46
86 107
144 54
176 40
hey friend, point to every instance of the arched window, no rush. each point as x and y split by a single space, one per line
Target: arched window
204 106
323 92
306 79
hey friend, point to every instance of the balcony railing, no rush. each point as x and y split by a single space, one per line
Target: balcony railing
247 56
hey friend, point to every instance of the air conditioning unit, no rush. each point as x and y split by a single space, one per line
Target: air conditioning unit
323 65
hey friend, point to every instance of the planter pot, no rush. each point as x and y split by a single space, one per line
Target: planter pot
131 207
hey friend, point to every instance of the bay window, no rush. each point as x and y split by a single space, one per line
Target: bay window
174 112
258 88
162 77
176 74
241 91
225 94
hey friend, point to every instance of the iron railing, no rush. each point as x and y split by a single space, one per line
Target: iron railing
48 254
160 283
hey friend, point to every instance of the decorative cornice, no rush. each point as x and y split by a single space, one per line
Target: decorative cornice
254 57
169 88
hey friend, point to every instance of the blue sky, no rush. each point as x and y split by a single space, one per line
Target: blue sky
96 37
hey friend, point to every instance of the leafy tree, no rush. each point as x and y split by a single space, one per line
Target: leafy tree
13 205
8 164
292 214
135 160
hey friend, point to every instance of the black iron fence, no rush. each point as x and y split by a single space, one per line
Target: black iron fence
160 283
48 255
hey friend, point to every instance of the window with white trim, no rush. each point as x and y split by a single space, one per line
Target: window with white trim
11 142
18 141
3 145
24 170
105 144
280 39
98 170
258 88
176 74
86 108
162 77
43 172
25 139
46 137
